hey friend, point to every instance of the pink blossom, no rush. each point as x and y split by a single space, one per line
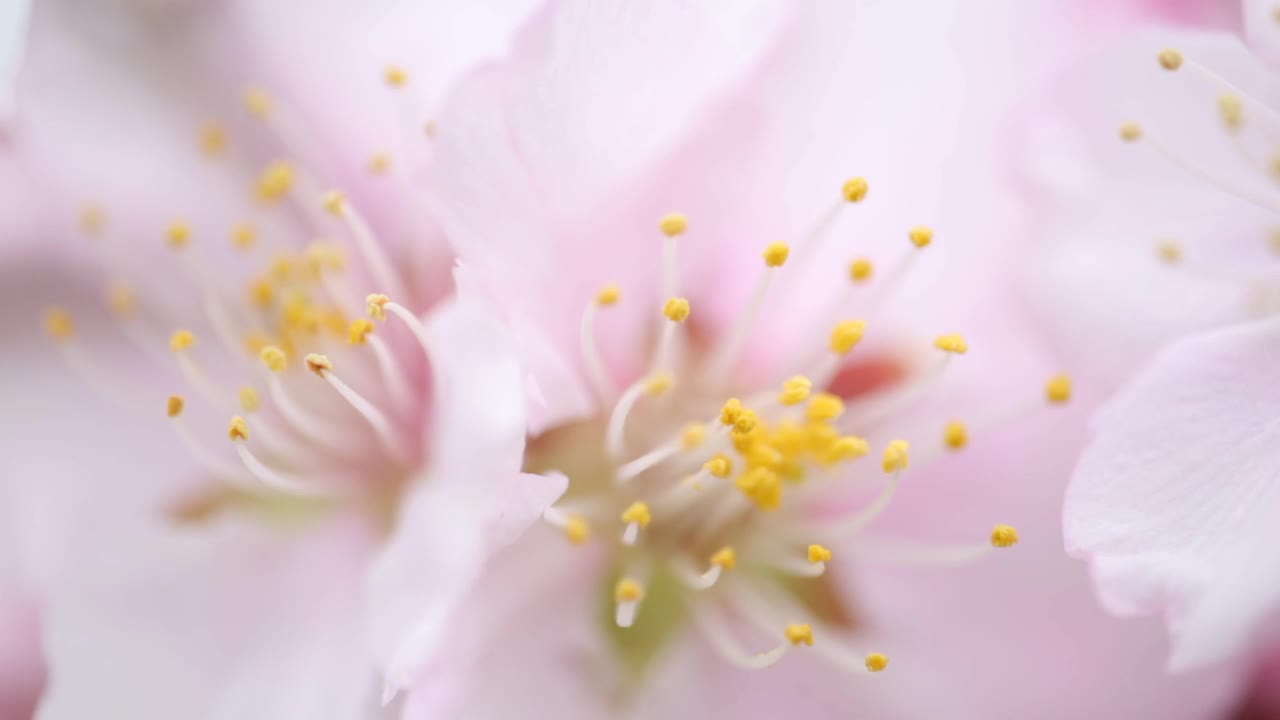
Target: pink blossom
593 161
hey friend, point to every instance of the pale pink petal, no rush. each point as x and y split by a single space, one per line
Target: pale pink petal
1262 29
1176 500
13 30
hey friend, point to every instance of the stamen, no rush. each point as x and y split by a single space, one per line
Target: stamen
618 419
178 234
894 462
853 191
1132 132
607 296
921 237
636 517
275 182
180 342
239 434
860 270
628 594
693 435
378 304
213 140
395 76
795 390
93 219
378 163
211 463
721 561
361 333
726 357
672 226
391 442
372 252
1058 389
955 436
952 343
676 311
722 640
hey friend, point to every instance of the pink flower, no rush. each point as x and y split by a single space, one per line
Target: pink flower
1168 137
617 193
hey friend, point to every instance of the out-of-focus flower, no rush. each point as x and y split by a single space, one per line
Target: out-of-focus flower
211 248
1169 141
732 411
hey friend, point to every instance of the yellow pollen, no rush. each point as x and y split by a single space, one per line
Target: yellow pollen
274 358
955 435
730 411
248 399
1058 389
628 590
848 447
92 219
1229 108
693 435
181 340
1130 131
824 407
261 293
378 163
1169 59
375 305
725 557
318 363
854 190
762 486
176 403
322 256
122 300
275 181
257 102
178 234
359 330
638 513
920 236
860 270
673 224
676 309
658 383
238 429
746 422
895 456
877 662
213 140
800 633
951 343
795 390
846 334
243 236
1169 252
719 466
59 324
818 553
608 295
576 529
1003 536
395 76
775 255
334 202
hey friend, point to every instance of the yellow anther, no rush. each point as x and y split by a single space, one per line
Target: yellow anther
395 76
847 447
799 633
121 299
243 237
676 309
952 343
181 340
178 234
359 331
257 102
846 334
725 558
795 390
261 293
238 429
719 466
1231 111
693 435
1169 252
375 306
877 662
895 456
860 270
1003 536
854 190
92 219
673 224
628 590
824 407
1273 240
213 139
318 363
955 435
746 422
658 383
175 405
378 163
1130 131
920 236
248 399
274 358
776 253
730 411
275 181
576 529
321 256
334 202
818 553
608 295
1058 389
637 513
1169 59
762 486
